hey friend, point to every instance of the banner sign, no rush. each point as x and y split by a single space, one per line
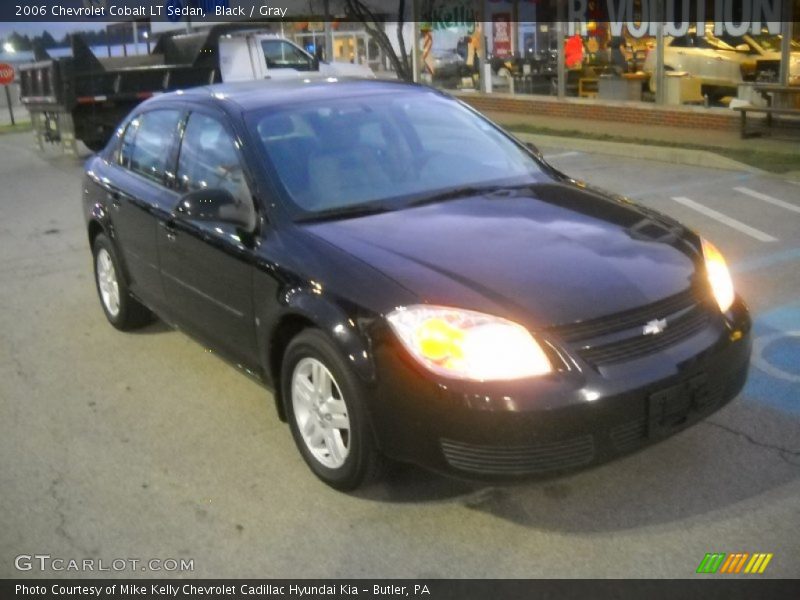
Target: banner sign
501 34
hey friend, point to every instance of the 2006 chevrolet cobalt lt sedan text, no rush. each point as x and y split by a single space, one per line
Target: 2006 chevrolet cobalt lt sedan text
411 281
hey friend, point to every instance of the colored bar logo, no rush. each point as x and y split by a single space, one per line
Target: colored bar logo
735 563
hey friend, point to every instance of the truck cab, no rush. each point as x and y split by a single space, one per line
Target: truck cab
253 55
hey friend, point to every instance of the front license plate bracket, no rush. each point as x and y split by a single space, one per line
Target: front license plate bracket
669 408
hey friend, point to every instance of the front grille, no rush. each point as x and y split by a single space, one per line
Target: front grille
620 337
620 321
640 345
520 460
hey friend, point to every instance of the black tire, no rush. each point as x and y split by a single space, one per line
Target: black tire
131 314
364 462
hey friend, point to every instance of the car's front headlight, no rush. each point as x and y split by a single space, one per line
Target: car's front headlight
718 276
468 345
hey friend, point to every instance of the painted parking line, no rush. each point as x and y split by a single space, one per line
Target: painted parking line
725 219
769 199
562 155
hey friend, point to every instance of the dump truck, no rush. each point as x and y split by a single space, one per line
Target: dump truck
83 96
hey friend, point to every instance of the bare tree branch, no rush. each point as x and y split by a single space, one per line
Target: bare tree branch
374 27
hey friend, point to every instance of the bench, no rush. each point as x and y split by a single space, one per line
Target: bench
768 110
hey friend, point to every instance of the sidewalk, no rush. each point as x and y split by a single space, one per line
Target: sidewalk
716 148
638 133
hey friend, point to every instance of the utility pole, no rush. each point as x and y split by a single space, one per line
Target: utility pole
562 55
787 27
328 32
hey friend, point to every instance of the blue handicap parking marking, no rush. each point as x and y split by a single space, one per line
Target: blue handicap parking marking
783 354
766 260
775 368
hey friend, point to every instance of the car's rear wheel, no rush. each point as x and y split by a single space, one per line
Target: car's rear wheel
324 403
122 310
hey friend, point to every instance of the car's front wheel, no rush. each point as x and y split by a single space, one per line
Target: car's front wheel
122 310
325 406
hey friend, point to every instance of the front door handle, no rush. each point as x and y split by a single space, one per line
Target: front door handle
114 198
169 230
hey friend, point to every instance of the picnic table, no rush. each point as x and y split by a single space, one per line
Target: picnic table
781 101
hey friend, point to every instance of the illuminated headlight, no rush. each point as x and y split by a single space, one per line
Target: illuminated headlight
718 276
468 345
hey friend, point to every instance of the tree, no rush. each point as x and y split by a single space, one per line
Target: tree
46 40
19 42
401 61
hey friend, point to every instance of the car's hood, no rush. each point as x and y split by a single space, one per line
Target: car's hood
551 255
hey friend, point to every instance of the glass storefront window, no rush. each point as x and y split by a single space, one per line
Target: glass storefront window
520 42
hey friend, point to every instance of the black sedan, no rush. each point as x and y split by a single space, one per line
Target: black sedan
411 281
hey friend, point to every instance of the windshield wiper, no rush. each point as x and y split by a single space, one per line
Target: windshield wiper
345 212
464 192
374 208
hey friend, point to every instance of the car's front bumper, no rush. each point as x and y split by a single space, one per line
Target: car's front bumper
562 421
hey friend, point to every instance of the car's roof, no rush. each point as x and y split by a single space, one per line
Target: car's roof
254 95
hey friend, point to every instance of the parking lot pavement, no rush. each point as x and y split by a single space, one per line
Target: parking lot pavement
147 446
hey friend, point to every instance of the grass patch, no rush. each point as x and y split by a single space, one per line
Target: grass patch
774 162
19 127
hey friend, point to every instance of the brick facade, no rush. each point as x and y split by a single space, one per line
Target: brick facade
624 112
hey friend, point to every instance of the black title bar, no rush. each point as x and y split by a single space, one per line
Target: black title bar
433 589
734 12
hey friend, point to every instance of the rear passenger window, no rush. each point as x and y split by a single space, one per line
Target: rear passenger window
209 159
148 152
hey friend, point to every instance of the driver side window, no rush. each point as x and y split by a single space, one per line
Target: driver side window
280 54
208 159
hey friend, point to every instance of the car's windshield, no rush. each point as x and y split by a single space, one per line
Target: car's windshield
384 149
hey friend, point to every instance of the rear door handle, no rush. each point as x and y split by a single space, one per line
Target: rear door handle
169 230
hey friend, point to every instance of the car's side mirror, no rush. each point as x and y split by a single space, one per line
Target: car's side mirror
534 148
215 205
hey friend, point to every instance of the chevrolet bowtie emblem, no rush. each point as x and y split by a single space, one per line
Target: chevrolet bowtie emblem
654 327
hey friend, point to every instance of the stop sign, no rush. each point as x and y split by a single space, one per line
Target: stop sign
6 74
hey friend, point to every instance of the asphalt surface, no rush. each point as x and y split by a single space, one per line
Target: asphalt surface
140 446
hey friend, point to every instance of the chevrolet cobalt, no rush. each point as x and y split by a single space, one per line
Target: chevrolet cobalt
411 281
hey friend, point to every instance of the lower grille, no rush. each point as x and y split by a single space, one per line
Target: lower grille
520 460
629 435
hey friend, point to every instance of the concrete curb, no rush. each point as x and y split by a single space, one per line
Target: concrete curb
792 177
678 156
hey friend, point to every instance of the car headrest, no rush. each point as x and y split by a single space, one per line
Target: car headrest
275 126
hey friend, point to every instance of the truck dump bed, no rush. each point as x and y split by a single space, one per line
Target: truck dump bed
88 96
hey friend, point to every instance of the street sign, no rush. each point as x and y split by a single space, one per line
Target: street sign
6 74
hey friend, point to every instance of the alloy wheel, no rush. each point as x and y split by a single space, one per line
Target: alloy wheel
320 413
107 282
